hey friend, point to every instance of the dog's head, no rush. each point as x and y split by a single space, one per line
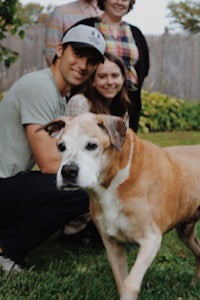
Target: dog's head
84 143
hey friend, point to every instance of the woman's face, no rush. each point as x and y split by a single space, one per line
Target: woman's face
108 79
116 9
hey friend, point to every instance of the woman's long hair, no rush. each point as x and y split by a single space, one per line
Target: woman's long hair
99 105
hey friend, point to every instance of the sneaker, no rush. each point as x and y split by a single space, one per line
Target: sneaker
87 237
7 264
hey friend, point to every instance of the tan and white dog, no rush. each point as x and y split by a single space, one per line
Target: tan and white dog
138 191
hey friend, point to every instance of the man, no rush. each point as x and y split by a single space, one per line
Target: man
62 18
31 207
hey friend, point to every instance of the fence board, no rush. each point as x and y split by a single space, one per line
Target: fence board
175 65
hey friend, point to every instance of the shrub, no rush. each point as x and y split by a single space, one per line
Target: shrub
1 96
163 113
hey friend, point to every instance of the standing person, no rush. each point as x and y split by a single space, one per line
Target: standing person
62 18
105 92
31 207
128 42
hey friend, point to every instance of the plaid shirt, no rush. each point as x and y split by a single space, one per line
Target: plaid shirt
124 46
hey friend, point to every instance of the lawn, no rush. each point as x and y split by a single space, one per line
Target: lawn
66 272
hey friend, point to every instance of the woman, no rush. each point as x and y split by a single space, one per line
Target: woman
128 42
105 92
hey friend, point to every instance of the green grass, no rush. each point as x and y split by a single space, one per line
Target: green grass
164 139
64 272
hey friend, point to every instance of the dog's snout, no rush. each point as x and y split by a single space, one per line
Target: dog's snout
70 172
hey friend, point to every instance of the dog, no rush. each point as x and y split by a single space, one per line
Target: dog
138 191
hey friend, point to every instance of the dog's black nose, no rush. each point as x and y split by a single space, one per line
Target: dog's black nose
70 172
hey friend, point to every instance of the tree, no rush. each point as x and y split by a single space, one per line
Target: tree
186 14
43 16
9 23
29 13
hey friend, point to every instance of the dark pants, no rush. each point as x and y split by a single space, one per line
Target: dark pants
135 99
32 209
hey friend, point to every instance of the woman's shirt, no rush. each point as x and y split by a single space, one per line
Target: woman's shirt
77 104
124 46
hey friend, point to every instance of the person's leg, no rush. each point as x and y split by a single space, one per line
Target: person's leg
87 237
134 97
34 210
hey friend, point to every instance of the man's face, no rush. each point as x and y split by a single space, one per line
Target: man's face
77 65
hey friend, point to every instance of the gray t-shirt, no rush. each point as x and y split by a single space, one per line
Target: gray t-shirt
33 99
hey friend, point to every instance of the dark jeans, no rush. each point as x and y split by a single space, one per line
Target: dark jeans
135 98
32 209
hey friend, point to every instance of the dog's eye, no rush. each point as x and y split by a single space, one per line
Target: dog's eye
91 146
61 147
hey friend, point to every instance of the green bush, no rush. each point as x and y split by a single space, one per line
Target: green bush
1 96
163 113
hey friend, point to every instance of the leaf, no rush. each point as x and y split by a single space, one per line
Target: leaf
21 34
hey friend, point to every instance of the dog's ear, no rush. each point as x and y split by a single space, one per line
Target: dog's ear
55 127
116 129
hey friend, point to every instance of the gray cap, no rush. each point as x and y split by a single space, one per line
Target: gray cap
87 37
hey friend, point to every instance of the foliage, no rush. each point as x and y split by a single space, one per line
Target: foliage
9 23
2 95
163 113
29 13
186 13
13 17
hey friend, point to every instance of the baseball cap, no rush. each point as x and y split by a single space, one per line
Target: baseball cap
84 36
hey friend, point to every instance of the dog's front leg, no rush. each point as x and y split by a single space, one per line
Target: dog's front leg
116 254
146 254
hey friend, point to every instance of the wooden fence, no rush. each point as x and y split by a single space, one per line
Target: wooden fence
175 65
31 58
174 62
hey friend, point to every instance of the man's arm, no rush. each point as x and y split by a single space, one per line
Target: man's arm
44 149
